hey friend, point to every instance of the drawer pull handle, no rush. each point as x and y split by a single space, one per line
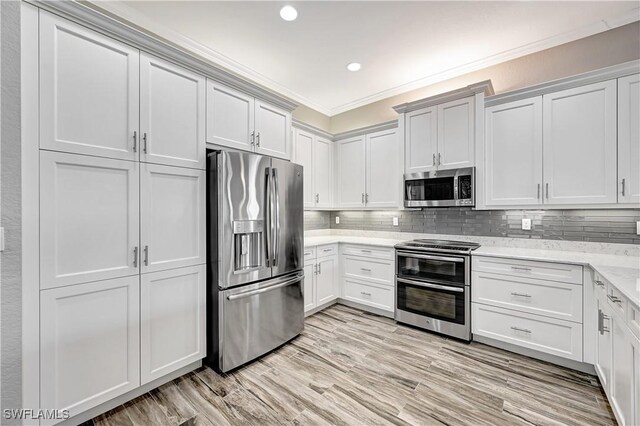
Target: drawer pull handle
599 283
614 299
364 293
306 253
366 251
524 330
365 269
326 250
521 295
520 268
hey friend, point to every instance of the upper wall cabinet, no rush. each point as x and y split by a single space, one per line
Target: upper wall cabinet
315 154
456 127
89 90
579 145
629 139
421 140
350 183
513 153
240 121
172 114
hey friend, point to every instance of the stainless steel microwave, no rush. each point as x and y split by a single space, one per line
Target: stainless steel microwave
440 188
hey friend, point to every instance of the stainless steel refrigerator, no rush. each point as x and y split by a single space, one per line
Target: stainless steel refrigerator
255 270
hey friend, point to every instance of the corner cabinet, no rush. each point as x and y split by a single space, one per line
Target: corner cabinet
321 284
351 178
315 154
240 121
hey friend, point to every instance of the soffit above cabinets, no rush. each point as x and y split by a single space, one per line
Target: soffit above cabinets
401 45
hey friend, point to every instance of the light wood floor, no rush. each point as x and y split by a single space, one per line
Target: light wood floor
354 368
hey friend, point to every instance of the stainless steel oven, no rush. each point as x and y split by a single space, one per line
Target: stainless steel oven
441 188
433 286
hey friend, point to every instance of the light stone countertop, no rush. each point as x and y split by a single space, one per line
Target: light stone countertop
617 263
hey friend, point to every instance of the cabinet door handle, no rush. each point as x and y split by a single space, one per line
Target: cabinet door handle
146 255
547 190
599 283
439 159
135 141
434 159
319 268
258 139
614 299
538 196
524 330
253 137
135 257
317 198
521 295
144 142
363 198
366 198
623 182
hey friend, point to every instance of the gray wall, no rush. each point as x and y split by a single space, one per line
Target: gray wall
10 208
612 226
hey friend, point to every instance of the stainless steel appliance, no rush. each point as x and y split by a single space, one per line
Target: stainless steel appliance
255 241
433 291
441 188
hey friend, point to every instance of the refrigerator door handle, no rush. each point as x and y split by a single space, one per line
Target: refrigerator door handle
269 219
276 202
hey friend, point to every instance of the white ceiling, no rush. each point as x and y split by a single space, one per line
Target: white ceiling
401 45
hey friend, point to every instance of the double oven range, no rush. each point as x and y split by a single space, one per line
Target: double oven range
433 286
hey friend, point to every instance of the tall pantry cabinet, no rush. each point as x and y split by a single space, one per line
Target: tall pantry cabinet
122 216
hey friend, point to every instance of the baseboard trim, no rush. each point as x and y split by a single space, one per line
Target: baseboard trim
320 308
366 308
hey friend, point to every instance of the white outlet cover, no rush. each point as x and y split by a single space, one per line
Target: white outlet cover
337 219
526 224
395 221
638 227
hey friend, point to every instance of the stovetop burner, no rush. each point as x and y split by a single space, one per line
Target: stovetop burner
442 246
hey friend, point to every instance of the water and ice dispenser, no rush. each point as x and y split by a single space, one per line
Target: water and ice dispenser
248 245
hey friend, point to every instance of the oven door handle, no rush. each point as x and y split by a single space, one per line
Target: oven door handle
425 256
429 285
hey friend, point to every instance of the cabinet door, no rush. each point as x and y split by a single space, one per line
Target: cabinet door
421 140
513 153
323 172
89 90
623 398
603 346
172 315
351 172
230 117
88 218
310 286
89 343
172 217
383 172
172 102
304 157
629 139
456 141
579 145
326 280
273 131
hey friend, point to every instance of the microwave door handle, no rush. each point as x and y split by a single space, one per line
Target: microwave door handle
455 187
427 257
429 285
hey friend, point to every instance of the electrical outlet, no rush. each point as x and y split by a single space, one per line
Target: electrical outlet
526 224
395 221
337 220
638 227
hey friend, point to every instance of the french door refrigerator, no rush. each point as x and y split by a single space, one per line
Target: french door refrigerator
255 263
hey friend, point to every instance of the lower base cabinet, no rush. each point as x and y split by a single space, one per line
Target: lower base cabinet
89 343
326 280
320 276
173 320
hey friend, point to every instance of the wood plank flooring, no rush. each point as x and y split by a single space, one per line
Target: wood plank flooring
353 368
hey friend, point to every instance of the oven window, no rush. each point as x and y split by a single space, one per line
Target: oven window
432 189
434 303
444 271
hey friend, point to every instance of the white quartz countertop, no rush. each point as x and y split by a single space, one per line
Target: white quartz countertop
622 271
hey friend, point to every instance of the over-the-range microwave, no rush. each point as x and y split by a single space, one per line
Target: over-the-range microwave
440 188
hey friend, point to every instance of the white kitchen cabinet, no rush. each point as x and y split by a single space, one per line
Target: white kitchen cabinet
579 145
304 142
273 130
383 175
421 140
89 343
604 362
88 218
350 185
172 217
323 172
89 91
327 280
629 139
172 317
309 285
456 129
513 153
624 378
172 114
230 117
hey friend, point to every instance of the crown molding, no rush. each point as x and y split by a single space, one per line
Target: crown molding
608 73
311 129
482 87
113 26
387 125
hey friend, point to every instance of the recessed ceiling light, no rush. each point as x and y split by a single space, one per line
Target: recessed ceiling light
288 13
354 66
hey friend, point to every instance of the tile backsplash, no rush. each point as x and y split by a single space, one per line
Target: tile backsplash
611 226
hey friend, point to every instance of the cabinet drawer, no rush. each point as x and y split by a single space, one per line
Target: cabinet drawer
530 269
377 296
548 335
327 250
370 270
368 251
547 298
309 253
